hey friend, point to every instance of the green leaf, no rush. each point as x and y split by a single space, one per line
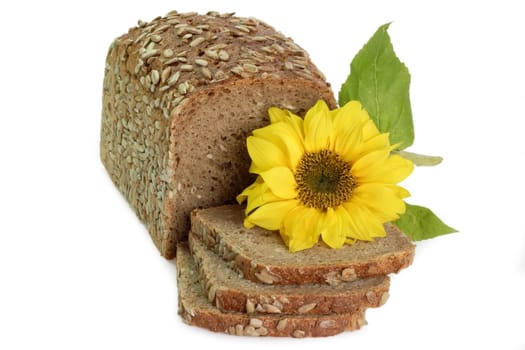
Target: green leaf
380 81
421 223
420 159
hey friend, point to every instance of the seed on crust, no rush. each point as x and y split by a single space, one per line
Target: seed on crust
250 331
281 325
155 77
384 298
262 331
167 53
265 277
327 324
201 62
371 297
256 322
306 308
271 309
348 274
197 41
299 333
223 55
206 72
239 328
173 79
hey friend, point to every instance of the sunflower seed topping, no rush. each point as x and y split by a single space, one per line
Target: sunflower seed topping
211 54
255 322
206 73
155 77
327 324
155 38
173 79
167 53
281 325
250 68
299 333
223 55
306 308
201 62
197 41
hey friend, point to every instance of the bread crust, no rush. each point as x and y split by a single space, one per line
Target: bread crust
195 310
161 71
224 290
221 229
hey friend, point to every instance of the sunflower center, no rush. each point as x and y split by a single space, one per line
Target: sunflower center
324 180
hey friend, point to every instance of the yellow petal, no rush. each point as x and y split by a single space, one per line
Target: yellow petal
317 127
366 225
247 223
281 115
333 230
284 136
375 143
399 191
277 115
376 159
378 167
281 182
382 200
257 194
298 230
348 144
265 155
249 191
270 216
369 129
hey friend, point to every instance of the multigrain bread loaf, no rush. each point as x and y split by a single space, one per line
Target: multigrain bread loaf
229 291
196 310
181 93
261 256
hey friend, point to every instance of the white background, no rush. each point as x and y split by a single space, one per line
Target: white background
78 270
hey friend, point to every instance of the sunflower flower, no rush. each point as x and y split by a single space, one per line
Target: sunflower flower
329 176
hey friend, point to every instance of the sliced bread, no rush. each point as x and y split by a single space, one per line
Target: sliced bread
181 93
261 256
228 291
196 310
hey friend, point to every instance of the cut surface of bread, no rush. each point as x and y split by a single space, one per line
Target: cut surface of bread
195 309
180 95
261 256
229 291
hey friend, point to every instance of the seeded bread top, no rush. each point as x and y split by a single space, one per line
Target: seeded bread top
262 256
180 52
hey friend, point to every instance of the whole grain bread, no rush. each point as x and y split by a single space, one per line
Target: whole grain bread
261 256
180 95
196 310
229 291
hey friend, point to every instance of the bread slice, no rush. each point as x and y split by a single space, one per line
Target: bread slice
261 256
228 291
196 310
181 93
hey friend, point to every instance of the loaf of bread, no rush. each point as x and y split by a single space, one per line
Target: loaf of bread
261 256
180 95
228 291
196 310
